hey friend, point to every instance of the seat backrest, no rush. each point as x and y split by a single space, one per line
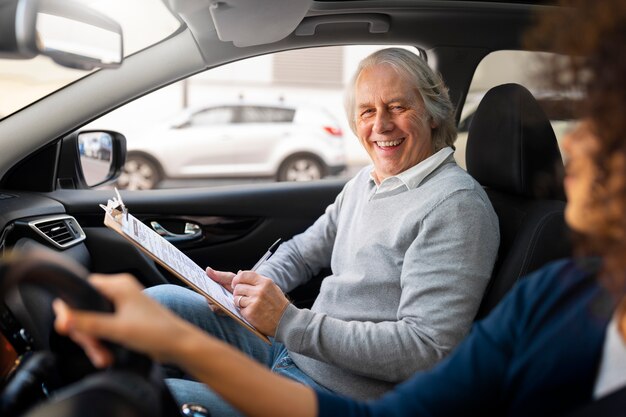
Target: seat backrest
513 153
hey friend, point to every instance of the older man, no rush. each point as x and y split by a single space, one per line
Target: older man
411 242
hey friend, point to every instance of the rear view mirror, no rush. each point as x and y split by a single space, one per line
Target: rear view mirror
70 33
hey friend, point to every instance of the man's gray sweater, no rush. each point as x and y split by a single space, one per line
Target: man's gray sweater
409 268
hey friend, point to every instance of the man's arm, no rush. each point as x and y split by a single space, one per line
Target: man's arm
469 382
476 378
294 263
305 255
260 294
444 274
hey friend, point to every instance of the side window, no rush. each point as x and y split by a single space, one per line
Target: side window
214 116
258 114
513 67
276 117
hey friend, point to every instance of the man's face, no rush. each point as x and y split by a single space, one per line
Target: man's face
390 121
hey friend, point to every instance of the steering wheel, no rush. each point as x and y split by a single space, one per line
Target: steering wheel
133 386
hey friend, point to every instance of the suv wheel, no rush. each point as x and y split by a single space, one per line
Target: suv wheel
301 168
139 173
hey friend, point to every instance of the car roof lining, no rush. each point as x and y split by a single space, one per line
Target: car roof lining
432 17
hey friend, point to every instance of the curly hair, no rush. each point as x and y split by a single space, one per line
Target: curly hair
593 35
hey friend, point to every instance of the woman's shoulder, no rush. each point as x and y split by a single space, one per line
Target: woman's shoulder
556 285
558 290
561 275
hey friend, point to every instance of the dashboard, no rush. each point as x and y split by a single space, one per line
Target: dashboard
26 220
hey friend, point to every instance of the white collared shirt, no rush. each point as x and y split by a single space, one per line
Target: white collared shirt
413 176
612 372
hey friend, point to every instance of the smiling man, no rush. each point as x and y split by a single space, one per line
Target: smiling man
391 121
410 241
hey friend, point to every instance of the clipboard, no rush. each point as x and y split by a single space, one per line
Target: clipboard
117 218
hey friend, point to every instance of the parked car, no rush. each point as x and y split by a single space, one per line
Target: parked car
288 143
96 145
45 199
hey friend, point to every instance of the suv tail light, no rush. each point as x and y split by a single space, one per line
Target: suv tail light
333 131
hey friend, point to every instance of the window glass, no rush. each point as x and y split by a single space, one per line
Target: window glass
23 82
258 114
277 117
214 116
519 67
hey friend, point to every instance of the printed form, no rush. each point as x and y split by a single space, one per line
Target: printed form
170 257
178 261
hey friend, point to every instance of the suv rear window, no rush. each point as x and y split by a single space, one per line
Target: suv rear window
258 114
215 115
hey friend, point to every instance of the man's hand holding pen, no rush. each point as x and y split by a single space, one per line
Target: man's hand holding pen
260 301
258 298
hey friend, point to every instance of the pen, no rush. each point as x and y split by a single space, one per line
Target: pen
266 255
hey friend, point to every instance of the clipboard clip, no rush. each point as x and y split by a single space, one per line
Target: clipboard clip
115 206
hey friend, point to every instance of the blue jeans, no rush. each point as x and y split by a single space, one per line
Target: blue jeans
194 308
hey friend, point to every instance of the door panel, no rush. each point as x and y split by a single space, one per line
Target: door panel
250 217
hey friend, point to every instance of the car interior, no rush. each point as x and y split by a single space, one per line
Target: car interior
45 199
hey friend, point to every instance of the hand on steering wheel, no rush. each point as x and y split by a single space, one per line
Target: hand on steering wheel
131 387
37 275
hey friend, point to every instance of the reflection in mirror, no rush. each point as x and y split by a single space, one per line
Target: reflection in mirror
96 156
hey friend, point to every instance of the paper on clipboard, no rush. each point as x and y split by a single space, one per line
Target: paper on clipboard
170 257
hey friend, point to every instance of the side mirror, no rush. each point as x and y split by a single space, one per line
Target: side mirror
70 33
90 158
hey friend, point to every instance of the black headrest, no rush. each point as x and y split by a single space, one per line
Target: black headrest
511 146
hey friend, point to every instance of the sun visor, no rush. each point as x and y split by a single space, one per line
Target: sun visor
254 22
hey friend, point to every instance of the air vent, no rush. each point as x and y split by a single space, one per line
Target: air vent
61 231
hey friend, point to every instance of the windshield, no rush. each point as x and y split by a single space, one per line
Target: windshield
25 81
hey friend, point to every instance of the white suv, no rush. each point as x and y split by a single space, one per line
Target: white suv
237 140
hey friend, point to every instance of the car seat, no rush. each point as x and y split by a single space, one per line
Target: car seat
513 153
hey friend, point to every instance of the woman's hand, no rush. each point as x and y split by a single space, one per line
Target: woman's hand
138 322
142 324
